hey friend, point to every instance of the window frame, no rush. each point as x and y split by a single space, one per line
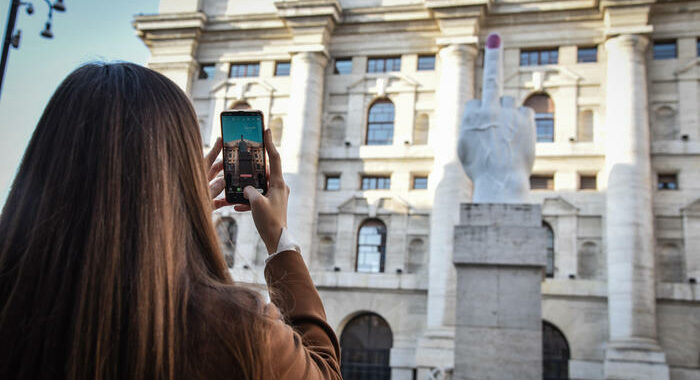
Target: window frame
578 54
665 187
331 177
539 52
657 56
383 60
419 176
202 70
256 65
551 251
426 56
341 59
277 65
382 244
542 176
376 177
380 124
541 117
593 177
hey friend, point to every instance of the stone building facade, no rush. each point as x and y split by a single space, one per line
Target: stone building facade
364 99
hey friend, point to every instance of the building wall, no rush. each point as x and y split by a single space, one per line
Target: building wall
189 33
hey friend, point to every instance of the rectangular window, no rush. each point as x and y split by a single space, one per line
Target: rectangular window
332 183
544 123
665 49
587 54
240 70
376 182
542 182
535 57
697 48
667 182
207 71
420 183
383 64
426 62
587 182
342 66
282 69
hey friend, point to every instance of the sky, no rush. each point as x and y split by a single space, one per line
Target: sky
89 30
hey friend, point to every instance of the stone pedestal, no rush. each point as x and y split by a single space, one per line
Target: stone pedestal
499 255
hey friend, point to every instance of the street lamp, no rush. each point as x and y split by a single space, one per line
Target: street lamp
13 39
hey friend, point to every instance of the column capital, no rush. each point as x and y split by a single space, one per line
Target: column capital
636 42
311 57
459 49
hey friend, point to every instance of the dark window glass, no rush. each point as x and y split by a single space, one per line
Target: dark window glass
544 116
342 66
282 69
550 250
587 54
667 182
366 344
697 48
420 183
542 182
207 71
371 247
332 183
239 70
536 57
555 353
380 123
383 64
376 183
426 62
587 182
665 50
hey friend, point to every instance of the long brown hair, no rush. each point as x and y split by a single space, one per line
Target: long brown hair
108 254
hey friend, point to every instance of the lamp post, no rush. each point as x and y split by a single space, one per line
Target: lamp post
13 39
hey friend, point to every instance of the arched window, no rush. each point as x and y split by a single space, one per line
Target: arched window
585 126
380 123
276 127
334 132
240 105
544 116
550 249
227 230
416 255
555 353
371 247
588 260
671 263
665 125
365 345
420 130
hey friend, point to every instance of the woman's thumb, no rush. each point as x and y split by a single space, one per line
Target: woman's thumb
251 194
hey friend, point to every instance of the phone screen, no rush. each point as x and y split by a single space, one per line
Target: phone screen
243 153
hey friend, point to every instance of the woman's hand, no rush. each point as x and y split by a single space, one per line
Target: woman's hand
270 210
216 182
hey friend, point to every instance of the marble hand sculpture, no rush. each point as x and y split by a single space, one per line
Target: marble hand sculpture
497 139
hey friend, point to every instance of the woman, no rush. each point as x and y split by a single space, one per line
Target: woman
109 263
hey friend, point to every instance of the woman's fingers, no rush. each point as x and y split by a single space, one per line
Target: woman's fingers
241 208
252 195
221 202
214 152
216 186
216 168
276 178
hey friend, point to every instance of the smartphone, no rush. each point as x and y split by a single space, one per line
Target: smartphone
243 153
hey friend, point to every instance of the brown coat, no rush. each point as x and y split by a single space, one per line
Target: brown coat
301 343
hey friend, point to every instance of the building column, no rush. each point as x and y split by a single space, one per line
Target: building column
300 143
633 350
450 187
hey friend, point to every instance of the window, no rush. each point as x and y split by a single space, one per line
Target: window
366 344
420 183
544 116
542 182
282 69
332 183
697 48
371 247
240 70
537 57
665 50
555 353
376 183
587 182
207 71
667 182
380 123
426 62
342 66
549 233
383 64
587 54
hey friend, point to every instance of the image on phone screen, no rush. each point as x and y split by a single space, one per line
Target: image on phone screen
243 152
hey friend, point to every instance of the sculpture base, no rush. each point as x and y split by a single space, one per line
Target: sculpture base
499 254
638 359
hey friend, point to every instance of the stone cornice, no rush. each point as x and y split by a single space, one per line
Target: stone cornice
169 22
